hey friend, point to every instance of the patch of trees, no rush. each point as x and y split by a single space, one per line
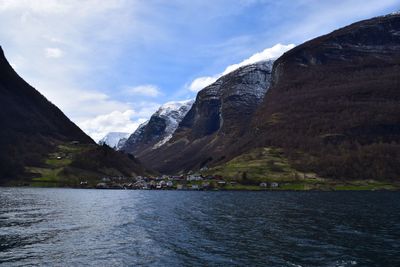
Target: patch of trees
336 112
103 159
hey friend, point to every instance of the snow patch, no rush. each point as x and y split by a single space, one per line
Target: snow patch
172 113
114 140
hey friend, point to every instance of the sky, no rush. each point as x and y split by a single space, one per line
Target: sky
108 65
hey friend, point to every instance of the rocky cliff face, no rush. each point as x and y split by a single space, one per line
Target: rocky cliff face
229 102
159 129
220 114
337 98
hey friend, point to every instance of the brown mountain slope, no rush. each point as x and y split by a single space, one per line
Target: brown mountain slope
337 99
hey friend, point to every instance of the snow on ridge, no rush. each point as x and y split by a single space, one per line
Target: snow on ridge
172 106
173 113
113 139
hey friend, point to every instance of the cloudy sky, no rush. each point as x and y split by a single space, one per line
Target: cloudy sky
108 64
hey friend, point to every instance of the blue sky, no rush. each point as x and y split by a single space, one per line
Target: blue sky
109 64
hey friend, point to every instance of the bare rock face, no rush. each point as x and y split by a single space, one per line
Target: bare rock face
221 112
226 104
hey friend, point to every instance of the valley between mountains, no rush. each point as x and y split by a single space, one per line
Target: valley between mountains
323 116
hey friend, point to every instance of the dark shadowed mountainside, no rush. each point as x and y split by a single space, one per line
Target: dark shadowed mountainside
31 126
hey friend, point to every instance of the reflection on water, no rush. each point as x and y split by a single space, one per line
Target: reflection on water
64 227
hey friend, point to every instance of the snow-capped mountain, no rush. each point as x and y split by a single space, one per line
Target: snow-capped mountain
114 139
159 129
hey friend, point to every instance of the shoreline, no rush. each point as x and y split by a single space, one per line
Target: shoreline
353 189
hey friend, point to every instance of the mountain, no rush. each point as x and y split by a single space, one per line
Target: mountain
115 140
34 133
159 129
334 103
219 116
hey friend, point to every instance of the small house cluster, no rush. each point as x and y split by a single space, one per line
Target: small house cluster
192 181
179 182
269 185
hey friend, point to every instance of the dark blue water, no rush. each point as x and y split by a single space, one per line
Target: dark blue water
66 227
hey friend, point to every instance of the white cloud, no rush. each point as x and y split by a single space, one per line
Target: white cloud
267 54
144 90
115 121
123 119
81 36
53 52
202 82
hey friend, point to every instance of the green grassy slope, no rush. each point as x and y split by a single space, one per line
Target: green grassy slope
70 164
270 165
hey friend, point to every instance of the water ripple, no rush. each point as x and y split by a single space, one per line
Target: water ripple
64 227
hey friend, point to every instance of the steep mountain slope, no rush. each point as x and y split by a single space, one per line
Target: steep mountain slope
334 103
220 115
32 128
115 140
30 123
159 129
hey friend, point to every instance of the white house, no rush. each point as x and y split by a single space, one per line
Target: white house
274 185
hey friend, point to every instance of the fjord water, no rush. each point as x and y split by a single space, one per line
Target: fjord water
67 227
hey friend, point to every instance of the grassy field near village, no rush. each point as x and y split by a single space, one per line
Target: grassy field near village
53 172
270 165
70 164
